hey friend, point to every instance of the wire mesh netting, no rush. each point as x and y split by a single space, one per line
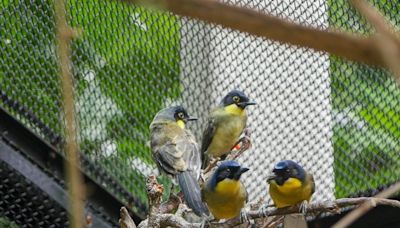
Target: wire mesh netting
339 119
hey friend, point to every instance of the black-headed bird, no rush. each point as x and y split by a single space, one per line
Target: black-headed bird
223 192
176 153
291 185
225 124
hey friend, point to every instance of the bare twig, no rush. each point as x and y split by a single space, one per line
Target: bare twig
369 204
387 40
156 218
154 194
244 144
125 221
342 44
171 205
75 183
212 164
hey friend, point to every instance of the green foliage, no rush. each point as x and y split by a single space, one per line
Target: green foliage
366 104
6 223
124 57
125 66
28 71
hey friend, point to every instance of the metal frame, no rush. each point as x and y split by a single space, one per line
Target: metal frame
40 162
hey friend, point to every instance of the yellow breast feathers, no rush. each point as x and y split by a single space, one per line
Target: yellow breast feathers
235 110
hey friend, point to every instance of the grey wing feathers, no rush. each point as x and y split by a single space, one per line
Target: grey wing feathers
167 160
313 184
208 135
192 155
175 154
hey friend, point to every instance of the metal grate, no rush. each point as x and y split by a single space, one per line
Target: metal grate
341 120
26 205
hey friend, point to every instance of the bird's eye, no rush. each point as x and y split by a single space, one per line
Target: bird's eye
181 115
236 99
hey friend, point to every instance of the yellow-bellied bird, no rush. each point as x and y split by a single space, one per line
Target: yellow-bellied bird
224 194
290 184
225 124
176 153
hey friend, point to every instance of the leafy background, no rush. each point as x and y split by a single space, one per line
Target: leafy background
366 106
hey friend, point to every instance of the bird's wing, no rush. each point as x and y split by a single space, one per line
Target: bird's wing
164 140
245 192
208 135
312 183
187 144
169 159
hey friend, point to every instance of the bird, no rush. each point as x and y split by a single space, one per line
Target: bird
223 192
176 153
225 124
291 185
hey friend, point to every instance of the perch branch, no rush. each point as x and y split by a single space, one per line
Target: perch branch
356 48
244 144
171 205
175 220
369 204
154 194
212 164
75 182
325 206
387 40
125 221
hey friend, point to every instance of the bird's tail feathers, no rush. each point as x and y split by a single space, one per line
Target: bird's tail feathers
191 192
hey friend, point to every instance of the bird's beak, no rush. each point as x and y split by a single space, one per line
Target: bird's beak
270 178
250 103
240 172
191 118
243 170
246 103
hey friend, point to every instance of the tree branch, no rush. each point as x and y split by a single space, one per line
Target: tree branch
157 219
387 41
74 177
154 194
369 204
125 221
356 48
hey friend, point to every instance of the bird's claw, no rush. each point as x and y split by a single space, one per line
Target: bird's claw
202 176
243 216
206 221
264 210
303 207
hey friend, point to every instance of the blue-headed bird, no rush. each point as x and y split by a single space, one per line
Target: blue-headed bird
291 185
225 124
176 153
223 192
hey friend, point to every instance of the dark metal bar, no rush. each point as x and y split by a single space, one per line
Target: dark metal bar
45 156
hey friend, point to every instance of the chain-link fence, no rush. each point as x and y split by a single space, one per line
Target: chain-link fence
340 120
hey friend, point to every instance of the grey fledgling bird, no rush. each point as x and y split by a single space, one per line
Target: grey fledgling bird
176 153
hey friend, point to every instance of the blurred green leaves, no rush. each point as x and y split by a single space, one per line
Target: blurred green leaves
125 65
28 71
366 108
